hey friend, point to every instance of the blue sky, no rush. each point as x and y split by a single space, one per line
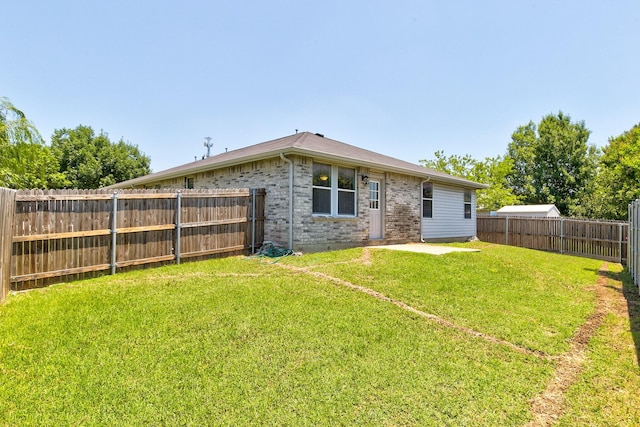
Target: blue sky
404 78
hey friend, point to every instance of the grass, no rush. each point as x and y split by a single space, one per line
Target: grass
530 298
240 342
607 392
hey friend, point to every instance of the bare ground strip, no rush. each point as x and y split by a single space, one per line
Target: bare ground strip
547 407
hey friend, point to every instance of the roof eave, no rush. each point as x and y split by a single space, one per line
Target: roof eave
427 174
162 176
205 166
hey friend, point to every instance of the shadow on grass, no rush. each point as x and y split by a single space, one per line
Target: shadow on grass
631 295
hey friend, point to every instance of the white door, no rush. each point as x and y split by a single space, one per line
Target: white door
375 216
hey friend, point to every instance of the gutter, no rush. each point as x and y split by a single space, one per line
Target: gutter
290 245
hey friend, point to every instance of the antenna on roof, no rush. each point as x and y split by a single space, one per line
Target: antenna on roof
208 144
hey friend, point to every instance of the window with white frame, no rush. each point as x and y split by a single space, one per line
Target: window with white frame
427 200
334 190
467 204
374 195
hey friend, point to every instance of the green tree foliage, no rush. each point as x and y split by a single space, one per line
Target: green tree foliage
25 161
492 171
14 125
93 161
521 152
618 182
553 163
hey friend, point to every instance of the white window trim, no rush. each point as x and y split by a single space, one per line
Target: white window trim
465 203
377 194
426 198
334 193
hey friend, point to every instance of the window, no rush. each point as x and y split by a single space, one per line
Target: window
427 200
346 191
321 189
374 195
188 182
467 204
334 190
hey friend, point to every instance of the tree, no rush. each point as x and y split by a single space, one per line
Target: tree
14 125
93 161
553 163
618 182
521 152
492 171
25 161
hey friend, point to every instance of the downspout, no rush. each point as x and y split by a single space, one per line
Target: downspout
421 208
290 245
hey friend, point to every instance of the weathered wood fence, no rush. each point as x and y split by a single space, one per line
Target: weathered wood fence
69 234
7 204
606 240
634 241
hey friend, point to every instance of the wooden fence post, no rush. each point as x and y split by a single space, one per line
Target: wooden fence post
633 248
114 232
561 235
7 211
636 238
178 226
506 230
253 221
620 241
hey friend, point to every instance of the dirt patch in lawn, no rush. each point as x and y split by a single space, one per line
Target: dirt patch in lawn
366 259
549 406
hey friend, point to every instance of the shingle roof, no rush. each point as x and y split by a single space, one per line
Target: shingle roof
527 209
307 144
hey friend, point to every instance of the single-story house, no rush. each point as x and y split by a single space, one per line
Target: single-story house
535 211
322 194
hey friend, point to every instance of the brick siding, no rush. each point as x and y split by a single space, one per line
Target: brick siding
316 233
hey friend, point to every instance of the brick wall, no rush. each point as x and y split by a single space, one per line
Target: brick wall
403 210
316 233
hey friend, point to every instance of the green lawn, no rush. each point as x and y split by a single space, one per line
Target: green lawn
242 342
608 391
531 298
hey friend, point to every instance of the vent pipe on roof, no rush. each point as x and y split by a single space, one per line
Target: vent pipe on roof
320 135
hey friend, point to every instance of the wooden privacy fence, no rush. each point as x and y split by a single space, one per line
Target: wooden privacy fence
7 204
634 241
604 240
69 234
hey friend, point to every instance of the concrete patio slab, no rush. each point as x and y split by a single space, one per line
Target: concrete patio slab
425 248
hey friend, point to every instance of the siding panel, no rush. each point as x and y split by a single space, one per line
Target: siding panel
448 214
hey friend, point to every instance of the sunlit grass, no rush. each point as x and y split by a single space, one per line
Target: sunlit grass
534 299
240 342
607 391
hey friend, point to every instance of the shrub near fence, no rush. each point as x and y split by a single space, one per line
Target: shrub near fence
63 235
634 241
604 240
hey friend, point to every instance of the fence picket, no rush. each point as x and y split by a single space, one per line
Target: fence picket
634 241
605 240
65 234
7 211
